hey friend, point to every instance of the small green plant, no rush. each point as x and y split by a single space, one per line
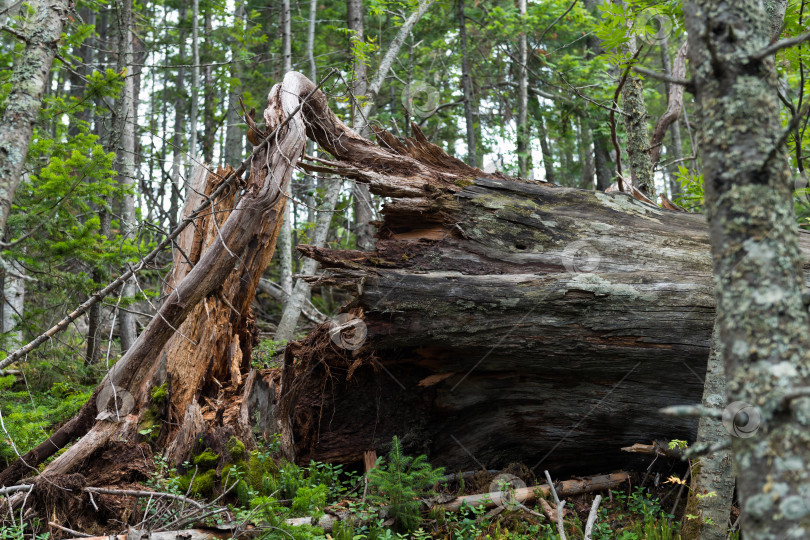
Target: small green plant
264 354
399 484
691 197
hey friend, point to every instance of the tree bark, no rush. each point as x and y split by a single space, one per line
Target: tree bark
28 83
761 317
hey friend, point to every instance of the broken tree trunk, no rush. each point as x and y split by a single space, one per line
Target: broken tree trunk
500 321
207 304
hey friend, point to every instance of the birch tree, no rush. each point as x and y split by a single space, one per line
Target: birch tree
41 33
285 236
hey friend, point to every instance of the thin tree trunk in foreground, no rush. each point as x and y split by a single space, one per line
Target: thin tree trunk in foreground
762 321
28 83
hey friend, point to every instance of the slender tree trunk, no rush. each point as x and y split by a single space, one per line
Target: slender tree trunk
195 77
523 147
466 84
179 116
28 84
234 134
13 302
712 473
285 239
364 232
311 180
125 128
209 135
548 158
635 126
302 290
601 143
77 77
675 128
601 155
762 320
588 161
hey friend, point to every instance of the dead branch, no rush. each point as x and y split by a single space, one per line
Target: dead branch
592 517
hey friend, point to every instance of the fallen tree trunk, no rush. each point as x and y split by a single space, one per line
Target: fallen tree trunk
499 320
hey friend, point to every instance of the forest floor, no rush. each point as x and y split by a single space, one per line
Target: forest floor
259 494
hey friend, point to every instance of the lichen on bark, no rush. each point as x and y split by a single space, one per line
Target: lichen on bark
762 322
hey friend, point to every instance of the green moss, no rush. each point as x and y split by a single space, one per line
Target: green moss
236 449
149 425
159 394
463 182
203 483
259 466
207 460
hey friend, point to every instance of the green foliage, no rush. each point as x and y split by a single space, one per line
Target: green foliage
29 417
400 482
691 197
264 355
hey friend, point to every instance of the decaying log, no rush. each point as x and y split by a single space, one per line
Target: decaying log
504 320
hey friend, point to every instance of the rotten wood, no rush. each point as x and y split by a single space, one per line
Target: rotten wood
504 319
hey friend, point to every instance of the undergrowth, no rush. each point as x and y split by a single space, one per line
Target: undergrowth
262 488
